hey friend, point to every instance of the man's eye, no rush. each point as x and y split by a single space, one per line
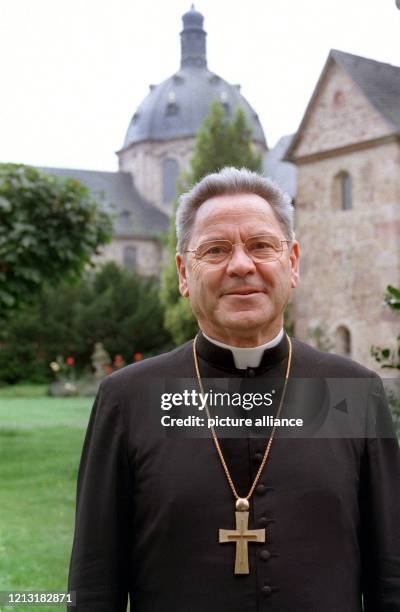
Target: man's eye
215 250
262 246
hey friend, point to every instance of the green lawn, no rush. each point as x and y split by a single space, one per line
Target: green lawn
40 445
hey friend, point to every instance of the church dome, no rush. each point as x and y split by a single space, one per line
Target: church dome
177 107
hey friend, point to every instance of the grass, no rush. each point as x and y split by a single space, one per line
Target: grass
40 445
23 390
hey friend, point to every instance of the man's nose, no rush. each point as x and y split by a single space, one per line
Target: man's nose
240 263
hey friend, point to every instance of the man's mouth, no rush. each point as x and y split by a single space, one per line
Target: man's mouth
244 292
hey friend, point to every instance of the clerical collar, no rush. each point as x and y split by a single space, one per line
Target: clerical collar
241 358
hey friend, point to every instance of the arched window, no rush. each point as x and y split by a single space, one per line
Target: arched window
130 258
343 341
170 176
346 191
342 191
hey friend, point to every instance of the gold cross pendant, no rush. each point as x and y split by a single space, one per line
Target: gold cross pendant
242 536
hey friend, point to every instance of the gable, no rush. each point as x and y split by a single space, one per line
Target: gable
339 115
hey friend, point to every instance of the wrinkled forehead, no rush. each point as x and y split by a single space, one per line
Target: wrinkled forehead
249 212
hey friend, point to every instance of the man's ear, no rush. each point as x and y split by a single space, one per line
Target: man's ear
295 264
181 267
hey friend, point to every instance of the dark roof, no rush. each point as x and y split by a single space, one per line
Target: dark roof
380 83
177 107
117 193
283 172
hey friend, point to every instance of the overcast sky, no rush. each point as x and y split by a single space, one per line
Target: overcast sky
74 71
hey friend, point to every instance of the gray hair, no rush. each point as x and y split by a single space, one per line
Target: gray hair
229 181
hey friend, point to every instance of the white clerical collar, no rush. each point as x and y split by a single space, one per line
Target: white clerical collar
247 357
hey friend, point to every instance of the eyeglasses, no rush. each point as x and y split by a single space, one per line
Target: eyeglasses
259 248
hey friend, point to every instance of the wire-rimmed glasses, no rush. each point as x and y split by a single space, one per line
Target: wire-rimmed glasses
260 249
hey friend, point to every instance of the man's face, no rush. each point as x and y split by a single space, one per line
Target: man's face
239 302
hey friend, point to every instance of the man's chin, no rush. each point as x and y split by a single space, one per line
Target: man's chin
243 321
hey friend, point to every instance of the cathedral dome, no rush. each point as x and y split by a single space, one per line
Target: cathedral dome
177 107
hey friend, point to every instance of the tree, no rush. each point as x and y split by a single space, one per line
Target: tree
219 143
49 230
389 357
109 305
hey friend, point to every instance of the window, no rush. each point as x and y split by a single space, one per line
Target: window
130 258
342 191
338 98
343 341
125 215
170 176
172 107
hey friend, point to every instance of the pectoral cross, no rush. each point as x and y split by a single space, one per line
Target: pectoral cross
242 536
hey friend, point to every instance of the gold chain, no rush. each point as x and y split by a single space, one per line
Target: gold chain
214 435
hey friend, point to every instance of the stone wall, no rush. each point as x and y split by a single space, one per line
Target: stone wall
348 257
339 115
149 254
145 161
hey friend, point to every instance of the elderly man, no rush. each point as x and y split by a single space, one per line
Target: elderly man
239 523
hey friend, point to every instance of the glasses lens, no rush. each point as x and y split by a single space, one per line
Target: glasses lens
214 251
264 248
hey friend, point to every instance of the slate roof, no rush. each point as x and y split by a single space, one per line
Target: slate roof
380 83
283 172
178 106
117 193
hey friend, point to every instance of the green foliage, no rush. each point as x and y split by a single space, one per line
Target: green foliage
111 306
392 297
219 143
180 321
389 357
288 322
49 229
321 339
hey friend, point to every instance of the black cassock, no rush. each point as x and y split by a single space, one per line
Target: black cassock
150 506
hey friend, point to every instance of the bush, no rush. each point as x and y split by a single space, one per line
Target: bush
111 306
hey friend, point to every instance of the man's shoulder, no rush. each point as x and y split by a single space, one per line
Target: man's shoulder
312 362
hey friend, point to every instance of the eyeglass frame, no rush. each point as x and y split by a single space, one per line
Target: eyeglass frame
243 244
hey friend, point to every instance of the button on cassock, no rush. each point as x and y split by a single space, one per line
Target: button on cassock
258 457
261 489
266 590
265 555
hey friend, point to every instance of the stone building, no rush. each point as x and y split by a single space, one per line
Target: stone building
342 169
158 145
347 152
161 135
